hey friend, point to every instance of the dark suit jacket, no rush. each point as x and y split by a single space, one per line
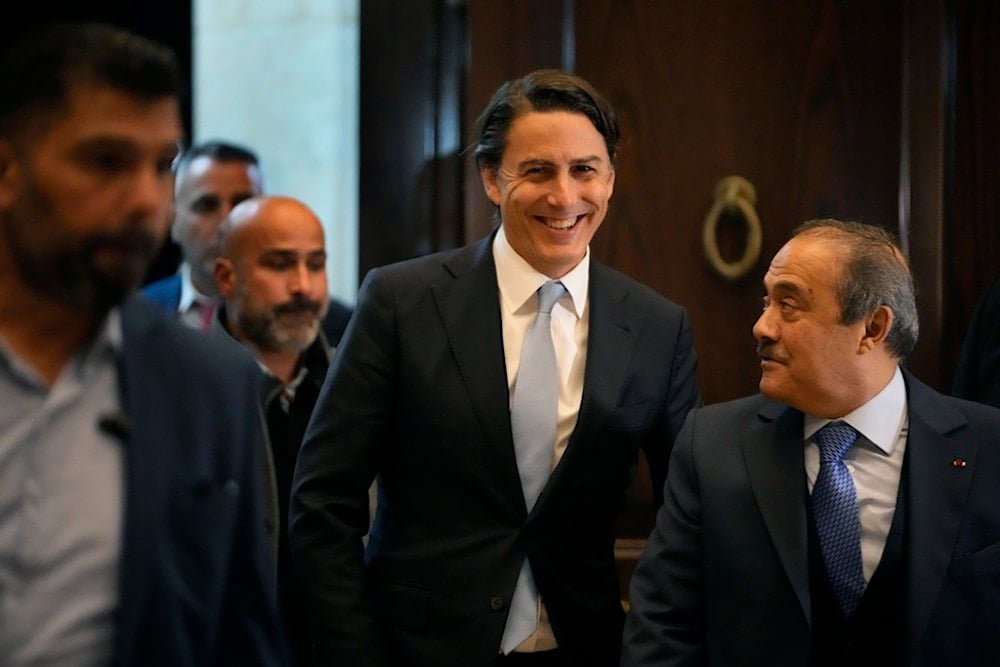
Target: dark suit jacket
417 393
197 581
167 293
978 375
724 579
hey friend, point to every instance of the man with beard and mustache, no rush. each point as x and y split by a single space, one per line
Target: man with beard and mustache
847 514
271 275
130 529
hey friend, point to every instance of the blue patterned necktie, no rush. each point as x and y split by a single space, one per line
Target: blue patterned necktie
835 510
533 410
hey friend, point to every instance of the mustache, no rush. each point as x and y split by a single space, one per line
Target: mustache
296 306
765 348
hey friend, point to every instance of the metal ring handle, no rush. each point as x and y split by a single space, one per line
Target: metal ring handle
733 193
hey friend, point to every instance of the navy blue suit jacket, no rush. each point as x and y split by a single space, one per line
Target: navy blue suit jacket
417 393
165 291
724 578
197 581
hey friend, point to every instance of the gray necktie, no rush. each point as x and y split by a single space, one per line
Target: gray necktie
533 410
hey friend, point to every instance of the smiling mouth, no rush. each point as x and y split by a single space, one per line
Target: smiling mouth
561 223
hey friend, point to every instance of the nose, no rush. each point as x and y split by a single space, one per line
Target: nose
299 279
152 193
562 191
765 328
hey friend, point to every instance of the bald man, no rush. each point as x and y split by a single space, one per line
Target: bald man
271 276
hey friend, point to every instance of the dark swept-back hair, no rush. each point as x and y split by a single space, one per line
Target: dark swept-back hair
217 150
222 151
541 90
38 69
875 274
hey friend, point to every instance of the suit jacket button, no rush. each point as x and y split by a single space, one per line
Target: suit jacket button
496 603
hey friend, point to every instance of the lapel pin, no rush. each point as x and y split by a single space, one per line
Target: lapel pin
959 463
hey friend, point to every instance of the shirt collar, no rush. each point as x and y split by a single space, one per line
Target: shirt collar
879 420
189 295
518 280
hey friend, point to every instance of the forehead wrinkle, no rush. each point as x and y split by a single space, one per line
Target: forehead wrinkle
788 286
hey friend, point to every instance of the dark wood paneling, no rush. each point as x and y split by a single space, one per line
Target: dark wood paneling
972 204
801 99
923 157
412 95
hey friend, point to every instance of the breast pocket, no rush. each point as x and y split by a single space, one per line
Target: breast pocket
976 580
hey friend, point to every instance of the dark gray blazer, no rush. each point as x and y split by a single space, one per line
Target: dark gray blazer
417 394
724 579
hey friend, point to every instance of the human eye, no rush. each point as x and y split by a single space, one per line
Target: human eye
106 160
536 171
206 204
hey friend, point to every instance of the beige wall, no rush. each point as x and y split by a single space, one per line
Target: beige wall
283 77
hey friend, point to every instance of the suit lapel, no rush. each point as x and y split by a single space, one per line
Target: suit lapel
609 348
937 496
775 464
469 306
147 455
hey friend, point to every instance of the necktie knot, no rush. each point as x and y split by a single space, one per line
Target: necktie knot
548 294
834 440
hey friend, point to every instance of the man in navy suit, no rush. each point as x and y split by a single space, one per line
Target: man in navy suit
419 395
740 568
130 526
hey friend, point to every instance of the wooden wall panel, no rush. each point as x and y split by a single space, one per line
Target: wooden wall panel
802 99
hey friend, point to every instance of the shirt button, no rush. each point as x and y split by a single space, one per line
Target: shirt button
496 603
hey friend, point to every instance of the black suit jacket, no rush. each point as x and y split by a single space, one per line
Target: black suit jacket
977 377
197 581
417 394
724 578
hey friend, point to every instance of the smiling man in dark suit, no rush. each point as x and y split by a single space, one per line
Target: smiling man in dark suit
464 566
773 548
130 526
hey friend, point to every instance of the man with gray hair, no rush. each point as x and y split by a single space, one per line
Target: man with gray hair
848 514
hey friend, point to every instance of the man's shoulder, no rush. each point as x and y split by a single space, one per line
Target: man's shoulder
150 331
607 280
165 291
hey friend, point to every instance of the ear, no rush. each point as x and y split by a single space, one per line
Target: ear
225 277
877 327
489 176
611 182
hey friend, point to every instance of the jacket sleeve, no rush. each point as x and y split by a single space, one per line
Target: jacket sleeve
329 510
665 625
